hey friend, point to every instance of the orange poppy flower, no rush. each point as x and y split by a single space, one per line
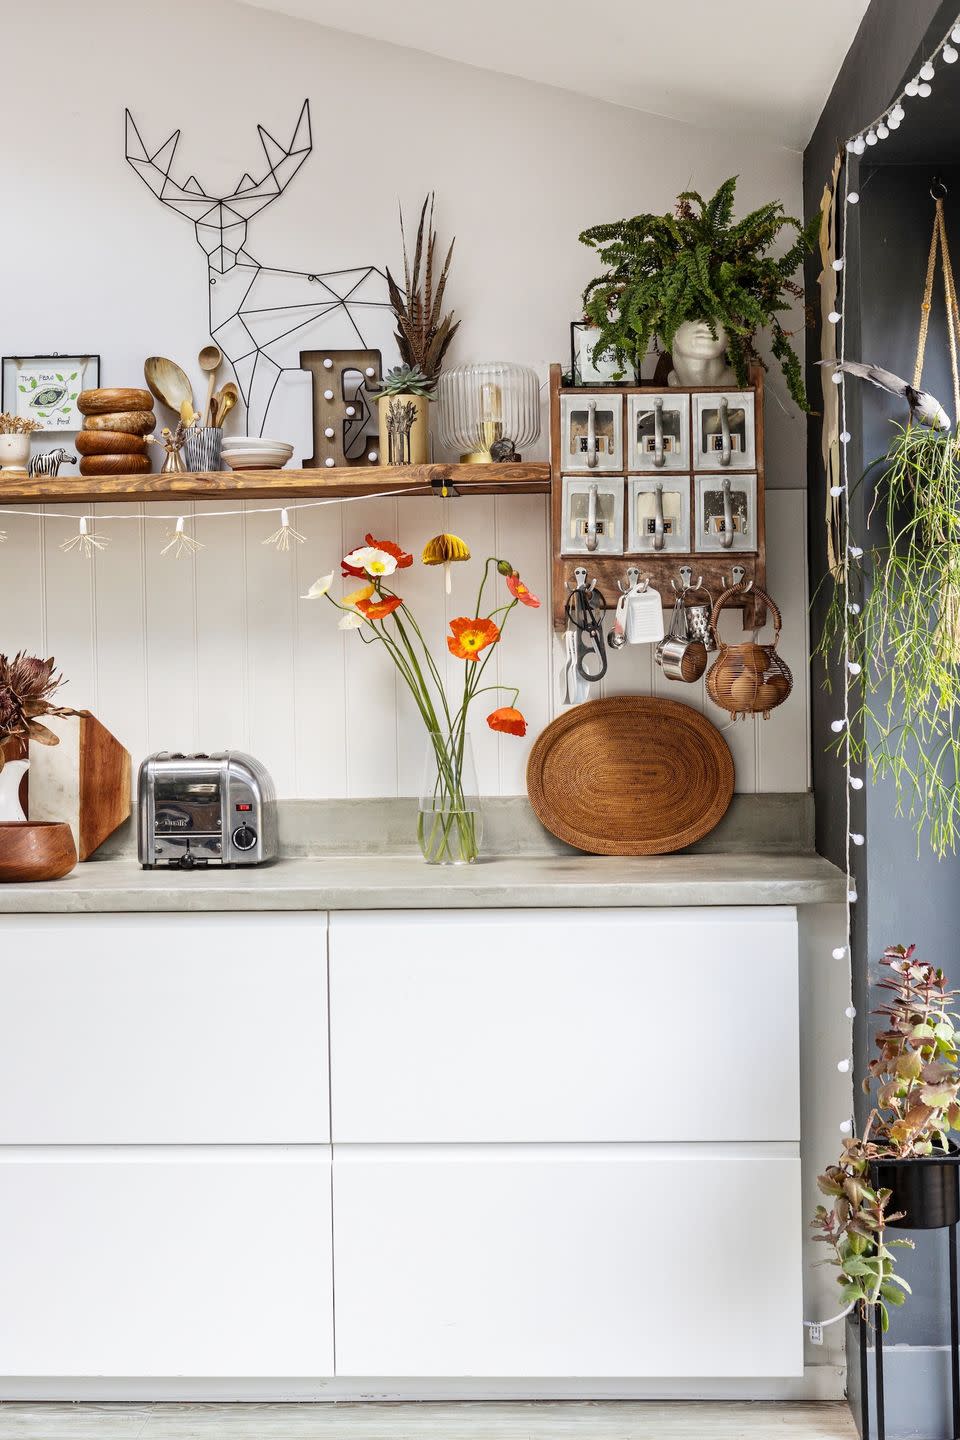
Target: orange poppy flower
378 609
402 557
470 637
520 592
509 720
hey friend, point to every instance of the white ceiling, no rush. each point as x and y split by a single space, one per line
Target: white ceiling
741 65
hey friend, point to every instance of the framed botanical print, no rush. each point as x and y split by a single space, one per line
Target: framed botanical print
45 388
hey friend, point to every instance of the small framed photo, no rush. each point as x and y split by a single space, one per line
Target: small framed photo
44 388
584 370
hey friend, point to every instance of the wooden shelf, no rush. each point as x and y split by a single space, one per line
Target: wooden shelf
516 479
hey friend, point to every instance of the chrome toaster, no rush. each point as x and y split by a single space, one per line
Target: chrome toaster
205 810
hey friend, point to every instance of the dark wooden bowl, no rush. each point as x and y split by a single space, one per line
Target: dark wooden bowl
35 850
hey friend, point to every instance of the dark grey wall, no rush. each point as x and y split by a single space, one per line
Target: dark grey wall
901 896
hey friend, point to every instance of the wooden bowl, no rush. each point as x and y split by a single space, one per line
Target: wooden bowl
35 850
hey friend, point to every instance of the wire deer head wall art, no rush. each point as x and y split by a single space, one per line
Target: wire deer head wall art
258 314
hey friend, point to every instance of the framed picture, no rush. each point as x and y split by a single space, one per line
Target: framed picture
45 388
584 370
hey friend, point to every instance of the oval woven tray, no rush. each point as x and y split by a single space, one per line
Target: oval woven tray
630 775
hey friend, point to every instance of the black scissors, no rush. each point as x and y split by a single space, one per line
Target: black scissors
585 609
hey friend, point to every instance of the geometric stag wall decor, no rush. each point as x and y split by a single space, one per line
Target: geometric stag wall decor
259 314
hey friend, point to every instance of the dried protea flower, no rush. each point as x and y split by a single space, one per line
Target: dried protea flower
26 685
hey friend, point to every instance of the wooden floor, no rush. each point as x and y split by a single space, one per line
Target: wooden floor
613 1420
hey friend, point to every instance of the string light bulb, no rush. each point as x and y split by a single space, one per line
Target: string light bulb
851 1012
859 145
927 71
856 837
837 726
911 87
286 536
871 137
924 90
843 1066
836 490
180 542
846 1127
838 263
85 542
834 317
882 131
853 198
950 55
855 782
839 952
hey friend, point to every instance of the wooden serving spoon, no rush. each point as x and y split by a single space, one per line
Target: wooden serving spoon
167 382
210 359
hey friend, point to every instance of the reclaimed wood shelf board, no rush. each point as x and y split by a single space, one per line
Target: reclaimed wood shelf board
517 478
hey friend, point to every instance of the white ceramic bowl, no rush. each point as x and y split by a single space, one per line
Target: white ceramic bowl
254 442
255 460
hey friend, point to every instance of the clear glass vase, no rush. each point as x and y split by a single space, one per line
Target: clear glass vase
450 820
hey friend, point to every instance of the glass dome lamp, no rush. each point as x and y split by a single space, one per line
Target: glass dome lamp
489 406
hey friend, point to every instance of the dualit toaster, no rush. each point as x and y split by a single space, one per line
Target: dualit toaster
205 810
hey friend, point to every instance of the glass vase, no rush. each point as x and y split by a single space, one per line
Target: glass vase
450 819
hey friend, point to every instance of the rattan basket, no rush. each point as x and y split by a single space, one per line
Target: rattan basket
748 679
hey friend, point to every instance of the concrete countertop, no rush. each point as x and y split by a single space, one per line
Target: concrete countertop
407 883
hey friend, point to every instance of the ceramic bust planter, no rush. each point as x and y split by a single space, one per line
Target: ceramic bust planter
700 358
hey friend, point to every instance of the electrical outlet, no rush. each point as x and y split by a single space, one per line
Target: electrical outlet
816 1334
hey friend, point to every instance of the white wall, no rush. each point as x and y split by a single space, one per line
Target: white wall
219 650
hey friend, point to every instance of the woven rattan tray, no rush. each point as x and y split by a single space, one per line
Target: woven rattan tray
630 775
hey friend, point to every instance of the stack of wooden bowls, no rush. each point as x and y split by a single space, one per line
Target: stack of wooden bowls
113 439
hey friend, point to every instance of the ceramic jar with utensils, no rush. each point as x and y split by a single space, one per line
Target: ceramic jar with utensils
204 448
679 656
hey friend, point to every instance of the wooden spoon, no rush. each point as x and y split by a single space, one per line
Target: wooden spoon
226 399
210 360
168 383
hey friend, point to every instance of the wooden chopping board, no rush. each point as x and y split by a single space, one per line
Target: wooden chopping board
630 775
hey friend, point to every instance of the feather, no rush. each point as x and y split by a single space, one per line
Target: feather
883 379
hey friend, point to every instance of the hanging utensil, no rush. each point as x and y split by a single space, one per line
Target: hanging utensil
679 657
584 610
698 619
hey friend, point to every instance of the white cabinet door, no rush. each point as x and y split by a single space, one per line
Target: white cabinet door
163 1029
137 1262
594 1261
564 1025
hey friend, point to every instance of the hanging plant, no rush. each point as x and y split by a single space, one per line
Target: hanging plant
698 264
903 619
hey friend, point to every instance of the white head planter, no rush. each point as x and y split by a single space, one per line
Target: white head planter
700 358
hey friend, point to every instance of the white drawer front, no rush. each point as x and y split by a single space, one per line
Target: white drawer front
136 1263
628 1261
163 1029
564 1025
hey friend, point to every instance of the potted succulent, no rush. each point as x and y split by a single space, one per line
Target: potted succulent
15 433
700 285
27 685
402 400
903 1170
424 333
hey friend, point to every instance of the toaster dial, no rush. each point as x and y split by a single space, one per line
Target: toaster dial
244 837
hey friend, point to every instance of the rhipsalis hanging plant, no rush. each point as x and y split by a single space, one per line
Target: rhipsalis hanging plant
902 601
698 264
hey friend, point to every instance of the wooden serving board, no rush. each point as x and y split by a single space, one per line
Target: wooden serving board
630 775
85 780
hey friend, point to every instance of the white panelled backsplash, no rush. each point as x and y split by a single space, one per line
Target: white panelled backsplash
218 649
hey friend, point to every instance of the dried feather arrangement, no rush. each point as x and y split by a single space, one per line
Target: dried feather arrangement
424 333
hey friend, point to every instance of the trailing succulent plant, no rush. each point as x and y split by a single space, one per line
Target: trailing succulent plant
406 380
697 264
916 1081
424 332
26 687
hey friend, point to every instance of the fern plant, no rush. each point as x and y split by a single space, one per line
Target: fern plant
698 264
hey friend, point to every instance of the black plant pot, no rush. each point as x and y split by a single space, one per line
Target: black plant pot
926 1189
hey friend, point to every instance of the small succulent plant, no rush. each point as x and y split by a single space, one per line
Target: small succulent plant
406 380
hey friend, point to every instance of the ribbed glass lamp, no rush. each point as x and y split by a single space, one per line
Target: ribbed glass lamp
484 403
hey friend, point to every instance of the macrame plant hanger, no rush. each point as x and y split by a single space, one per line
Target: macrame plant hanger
948 623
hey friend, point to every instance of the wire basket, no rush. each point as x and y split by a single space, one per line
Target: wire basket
748 679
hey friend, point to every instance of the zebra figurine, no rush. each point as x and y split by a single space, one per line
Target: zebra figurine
49 463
